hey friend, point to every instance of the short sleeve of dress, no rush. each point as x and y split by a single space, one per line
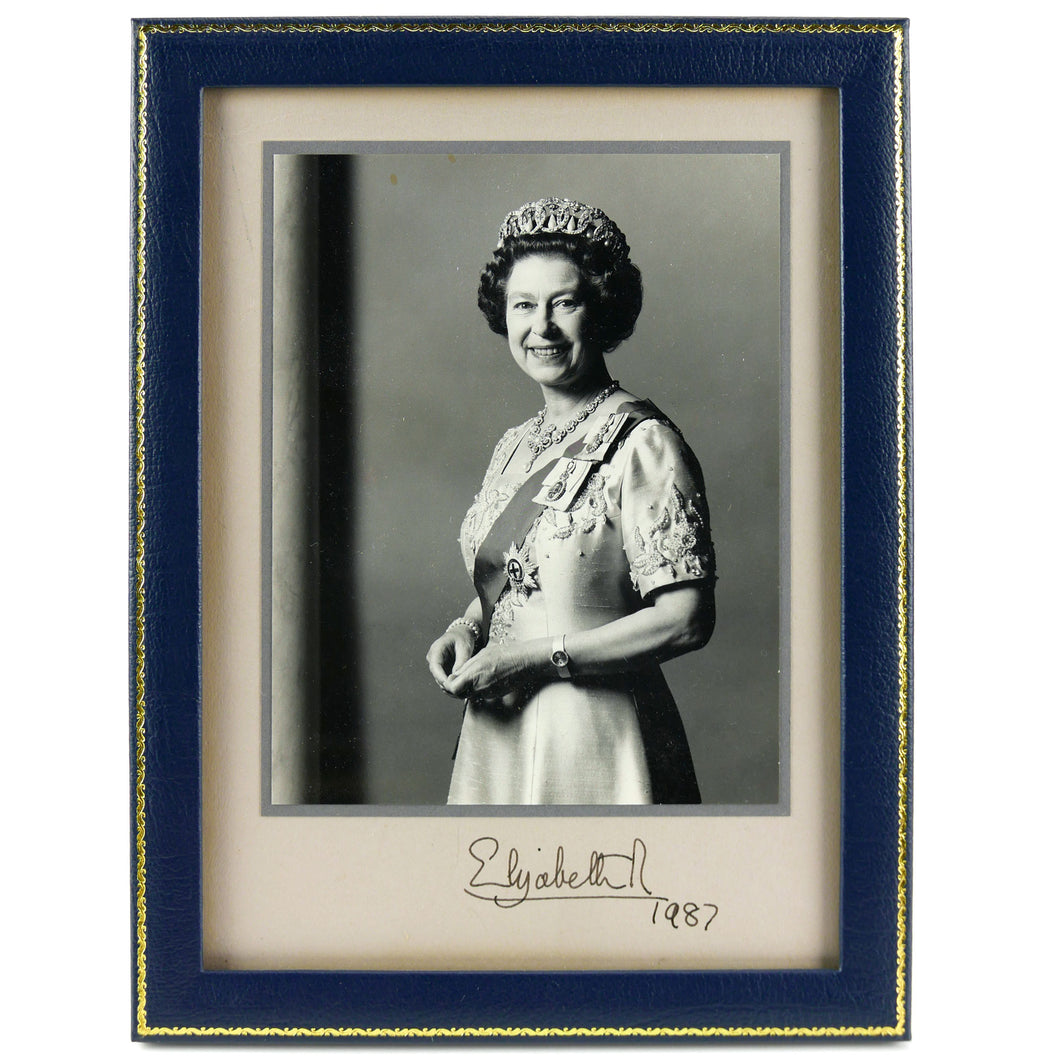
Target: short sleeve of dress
665 521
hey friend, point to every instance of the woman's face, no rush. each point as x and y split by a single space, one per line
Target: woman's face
548 325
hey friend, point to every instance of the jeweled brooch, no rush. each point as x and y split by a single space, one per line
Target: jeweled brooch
521 573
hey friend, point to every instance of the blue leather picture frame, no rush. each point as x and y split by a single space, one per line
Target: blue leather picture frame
868 994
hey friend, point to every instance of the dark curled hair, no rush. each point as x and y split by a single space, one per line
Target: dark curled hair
612 288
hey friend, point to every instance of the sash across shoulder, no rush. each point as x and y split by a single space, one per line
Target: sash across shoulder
556 484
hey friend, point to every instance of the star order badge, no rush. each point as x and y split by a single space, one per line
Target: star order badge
521 573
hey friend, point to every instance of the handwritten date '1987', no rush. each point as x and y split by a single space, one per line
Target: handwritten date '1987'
688 914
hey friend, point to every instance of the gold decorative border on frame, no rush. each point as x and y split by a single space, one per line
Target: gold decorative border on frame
896 30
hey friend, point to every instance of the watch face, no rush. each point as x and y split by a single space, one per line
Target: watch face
560 658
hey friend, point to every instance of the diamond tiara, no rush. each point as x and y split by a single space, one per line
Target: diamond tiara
564 217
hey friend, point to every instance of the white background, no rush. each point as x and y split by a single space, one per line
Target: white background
984 251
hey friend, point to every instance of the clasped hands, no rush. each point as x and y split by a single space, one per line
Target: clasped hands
498 673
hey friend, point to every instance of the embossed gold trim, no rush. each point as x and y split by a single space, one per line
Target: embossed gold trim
523 27
903 524
139 540
528 1031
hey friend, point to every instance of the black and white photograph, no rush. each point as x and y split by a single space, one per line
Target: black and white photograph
524 476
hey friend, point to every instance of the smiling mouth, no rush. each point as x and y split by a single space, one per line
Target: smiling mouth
547 351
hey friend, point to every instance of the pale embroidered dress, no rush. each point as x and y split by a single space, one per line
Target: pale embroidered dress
638 523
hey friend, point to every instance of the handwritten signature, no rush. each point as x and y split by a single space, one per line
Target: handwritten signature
505 882
508 879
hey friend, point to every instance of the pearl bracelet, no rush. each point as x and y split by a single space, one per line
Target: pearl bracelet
470 623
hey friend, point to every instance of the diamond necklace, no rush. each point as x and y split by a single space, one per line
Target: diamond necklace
541 437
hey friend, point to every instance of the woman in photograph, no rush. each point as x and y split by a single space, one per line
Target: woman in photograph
588 544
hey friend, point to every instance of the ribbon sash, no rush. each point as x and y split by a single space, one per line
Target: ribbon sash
510 527
513 524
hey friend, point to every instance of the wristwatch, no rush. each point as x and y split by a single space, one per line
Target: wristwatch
560 658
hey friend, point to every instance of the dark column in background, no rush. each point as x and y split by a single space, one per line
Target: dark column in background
341 756
314 710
